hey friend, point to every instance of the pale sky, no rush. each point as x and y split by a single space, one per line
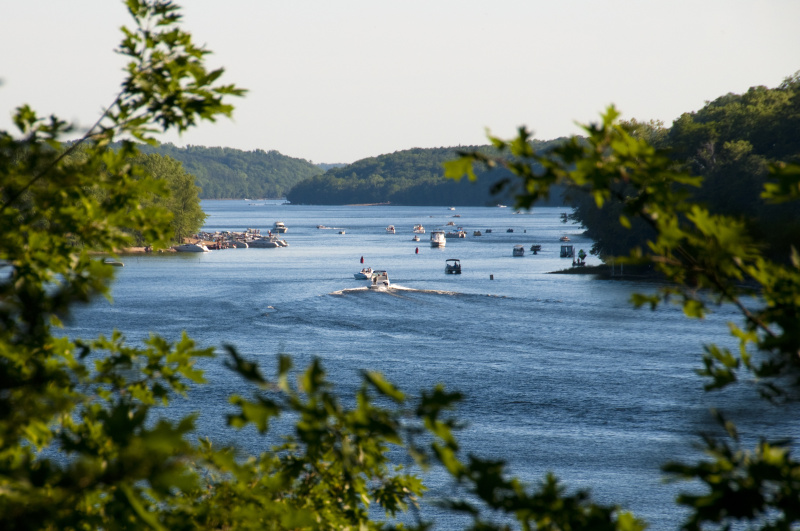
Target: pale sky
341 80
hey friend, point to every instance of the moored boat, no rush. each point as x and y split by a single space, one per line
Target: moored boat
438 238
390 229
518 251
279 227
191 248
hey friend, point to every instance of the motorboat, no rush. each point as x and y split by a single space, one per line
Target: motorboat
567 251
564 238
380 280
364 274
452 266
518 251
191 248
236 244
488 231
509 230
341 232
264 243
451 223
113 262
535 248
279 228
419 229
477 233
456 234
415 238
390 229
438 238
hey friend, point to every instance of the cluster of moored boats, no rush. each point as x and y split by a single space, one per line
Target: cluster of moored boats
231 240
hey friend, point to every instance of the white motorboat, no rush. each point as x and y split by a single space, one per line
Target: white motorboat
264 243
113 262
380 280
415 238
452 266
390 229
364 274
191 248
518 251
419 229
279 227
438 239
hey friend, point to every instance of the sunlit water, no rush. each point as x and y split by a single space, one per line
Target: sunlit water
560 373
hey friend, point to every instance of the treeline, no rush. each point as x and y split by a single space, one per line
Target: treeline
731 142
410 177
228 173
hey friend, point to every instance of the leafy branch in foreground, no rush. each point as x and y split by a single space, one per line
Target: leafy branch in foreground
706 259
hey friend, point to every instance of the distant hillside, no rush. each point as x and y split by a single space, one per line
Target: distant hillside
225 173
409 177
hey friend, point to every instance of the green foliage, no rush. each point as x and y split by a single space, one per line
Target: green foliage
228 173
707 258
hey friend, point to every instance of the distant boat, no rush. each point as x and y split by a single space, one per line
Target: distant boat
438 239
415 238
191 248
452 266
390 229
564 238
113 262
476 233
279 227
518 251
364 274
419 229
501 206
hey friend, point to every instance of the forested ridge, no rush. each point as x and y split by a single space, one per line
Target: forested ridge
228 173
409 177
731 143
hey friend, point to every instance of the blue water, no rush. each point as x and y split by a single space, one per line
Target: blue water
560 373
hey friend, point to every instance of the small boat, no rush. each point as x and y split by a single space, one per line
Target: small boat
488 231
501 206
415 238
279 228
567 251
380 280
564 238
452 208
451 223
518 251
509 230
452 266
264 243
419 229
535 248
113 262
191 248
390 229
476 233
364 274
456 234
438 239
236 244
341 232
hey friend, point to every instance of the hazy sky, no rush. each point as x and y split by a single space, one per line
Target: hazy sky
340 80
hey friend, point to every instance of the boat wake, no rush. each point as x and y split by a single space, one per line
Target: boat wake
396 290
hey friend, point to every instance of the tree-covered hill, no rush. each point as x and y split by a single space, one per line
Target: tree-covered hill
228 173
731 143
410 177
